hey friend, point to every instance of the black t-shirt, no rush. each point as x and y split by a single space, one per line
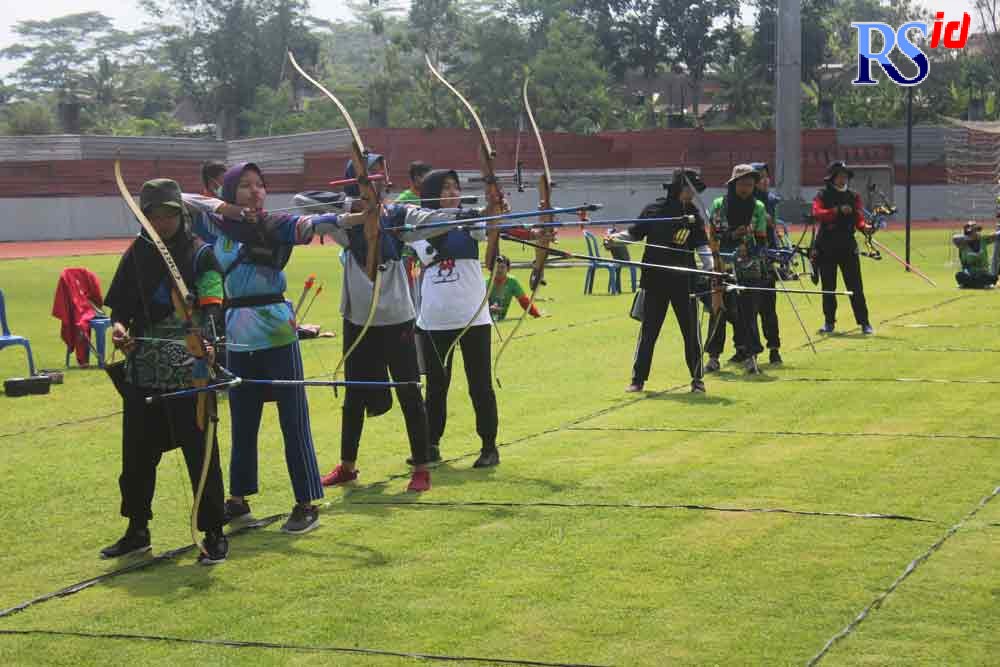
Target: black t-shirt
680 236
839 235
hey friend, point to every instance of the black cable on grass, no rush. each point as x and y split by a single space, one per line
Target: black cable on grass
828 434
970 325
232 643
910 569
864 379
641 506
896 350
133 567
71 422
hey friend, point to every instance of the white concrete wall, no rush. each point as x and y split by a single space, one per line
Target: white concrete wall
57 218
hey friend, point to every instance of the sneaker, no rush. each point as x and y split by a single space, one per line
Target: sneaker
487 458
775 358
867 330
634 387
737 358
697 386
421 481
827 328
303 519
216 548
433 456
713 365
750 364
339 475
237 513
135 542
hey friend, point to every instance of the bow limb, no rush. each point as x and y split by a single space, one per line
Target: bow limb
718 305
183 303
542 250
373 209
496 202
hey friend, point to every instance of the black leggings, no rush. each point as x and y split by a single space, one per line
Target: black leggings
849 264
383 347
475 346
654 312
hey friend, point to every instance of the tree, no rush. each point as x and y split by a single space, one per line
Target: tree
571 87
222 51
58 52
691 30
26 118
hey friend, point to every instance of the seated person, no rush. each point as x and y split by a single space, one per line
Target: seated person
974 252
505 288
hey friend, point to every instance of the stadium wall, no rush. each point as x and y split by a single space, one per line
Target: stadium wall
63 187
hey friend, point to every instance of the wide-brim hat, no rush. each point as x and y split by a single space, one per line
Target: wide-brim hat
742 171
681 179
838 167
160 192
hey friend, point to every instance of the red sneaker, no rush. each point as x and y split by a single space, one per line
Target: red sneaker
421 481
339 475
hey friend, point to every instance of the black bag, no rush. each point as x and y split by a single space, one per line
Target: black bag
36 384
638 305
116 371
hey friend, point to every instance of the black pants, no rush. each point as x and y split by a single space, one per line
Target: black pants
654 312
150 430
717 329
975 279
748 338
734 306
475 346
391 348
769 315
849 263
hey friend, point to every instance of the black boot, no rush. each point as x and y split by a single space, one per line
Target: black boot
135 541
217 548
488 457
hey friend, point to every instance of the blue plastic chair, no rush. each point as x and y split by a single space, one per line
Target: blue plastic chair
620 252
8 339
98 326
593 249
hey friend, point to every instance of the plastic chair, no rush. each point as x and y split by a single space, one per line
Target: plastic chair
98 326
8 339
593 249
620 252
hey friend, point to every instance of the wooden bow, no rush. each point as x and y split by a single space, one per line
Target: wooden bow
373 210
542 249
496 202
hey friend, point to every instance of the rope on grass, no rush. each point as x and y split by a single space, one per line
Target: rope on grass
643 506
232 643
138 565
71 422
910 569
827 434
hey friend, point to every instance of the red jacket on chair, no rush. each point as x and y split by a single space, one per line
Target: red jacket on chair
77 294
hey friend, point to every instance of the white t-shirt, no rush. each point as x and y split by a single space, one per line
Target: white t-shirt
451 290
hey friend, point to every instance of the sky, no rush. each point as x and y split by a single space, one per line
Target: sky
128 16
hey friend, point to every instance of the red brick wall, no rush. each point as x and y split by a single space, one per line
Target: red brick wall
715 152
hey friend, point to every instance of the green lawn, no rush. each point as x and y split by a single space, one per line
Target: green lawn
609 535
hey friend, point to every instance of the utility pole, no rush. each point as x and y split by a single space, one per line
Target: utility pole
788 109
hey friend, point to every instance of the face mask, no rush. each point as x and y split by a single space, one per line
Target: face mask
841 188
218 192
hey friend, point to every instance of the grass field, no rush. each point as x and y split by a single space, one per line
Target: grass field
618 530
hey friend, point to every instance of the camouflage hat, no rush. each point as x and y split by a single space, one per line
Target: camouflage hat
742 171
160 192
